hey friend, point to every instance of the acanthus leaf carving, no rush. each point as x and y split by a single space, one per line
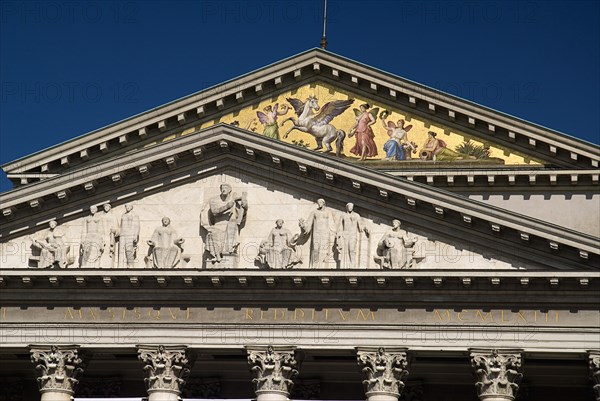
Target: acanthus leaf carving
274 369
57 367
497 373
385 370
167 368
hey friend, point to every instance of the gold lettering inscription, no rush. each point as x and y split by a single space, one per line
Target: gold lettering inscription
249 313
344 317
365 317
436 313
156 315
484 318
296 314
459 316
69 313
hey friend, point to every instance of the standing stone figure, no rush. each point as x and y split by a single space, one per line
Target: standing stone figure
319 224
395 248
222 219
92 240
165 246
348 237
53 249
129 237
111 225
277 251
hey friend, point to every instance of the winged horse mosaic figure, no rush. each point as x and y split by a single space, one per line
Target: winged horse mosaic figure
318 124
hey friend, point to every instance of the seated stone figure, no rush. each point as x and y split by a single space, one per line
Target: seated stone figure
395 250
277 251
53 250
222 218
165 246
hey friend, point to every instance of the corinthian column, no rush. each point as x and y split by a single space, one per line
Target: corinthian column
57 367
497 373
384 370
594 357
167 368
274 369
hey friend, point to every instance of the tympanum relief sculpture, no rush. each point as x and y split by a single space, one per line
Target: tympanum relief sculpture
395 249
129 237
222 219
326 239
165 247
278 251
92 240
53 250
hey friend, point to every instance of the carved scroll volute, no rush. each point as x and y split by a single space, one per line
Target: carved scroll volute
166 367
497 373
385 371
274 369
57 368
594 361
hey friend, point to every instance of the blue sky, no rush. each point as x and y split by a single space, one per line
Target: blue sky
67 68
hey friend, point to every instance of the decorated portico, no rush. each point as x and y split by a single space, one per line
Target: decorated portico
229 263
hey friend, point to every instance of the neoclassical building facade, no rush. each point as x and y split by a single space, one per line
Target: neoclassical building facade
316 229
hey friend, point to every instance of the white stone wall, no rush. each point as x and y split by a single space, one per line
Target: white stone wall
579 212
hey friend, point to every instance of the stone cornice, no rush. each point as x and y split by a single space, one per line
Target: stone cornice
215 147
410 288
504 179
550 145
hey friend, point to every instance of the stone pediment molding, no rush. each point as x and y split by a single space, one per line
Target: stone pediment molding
222 147
545 144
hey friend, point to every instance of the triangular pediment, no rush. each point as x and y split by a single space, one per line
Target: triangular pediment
178 178
465 130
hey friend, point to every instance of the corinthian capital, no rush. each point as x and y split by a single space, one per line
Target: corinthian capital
166 367
497 373
274 369
57 367
594 358
385 370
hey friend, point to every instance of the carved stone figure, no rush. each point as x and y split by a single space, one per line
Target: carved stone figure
222 219
167 369
395 249
53 250
274 371
57 370
350 227
277 251
385 372
129 237
497 373
320 224
111 225
92 240
165 246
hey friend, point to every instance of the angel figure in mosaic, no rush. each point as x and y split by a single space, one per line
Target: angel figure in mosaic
365 138
437 150
318 124
269 119
398 147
